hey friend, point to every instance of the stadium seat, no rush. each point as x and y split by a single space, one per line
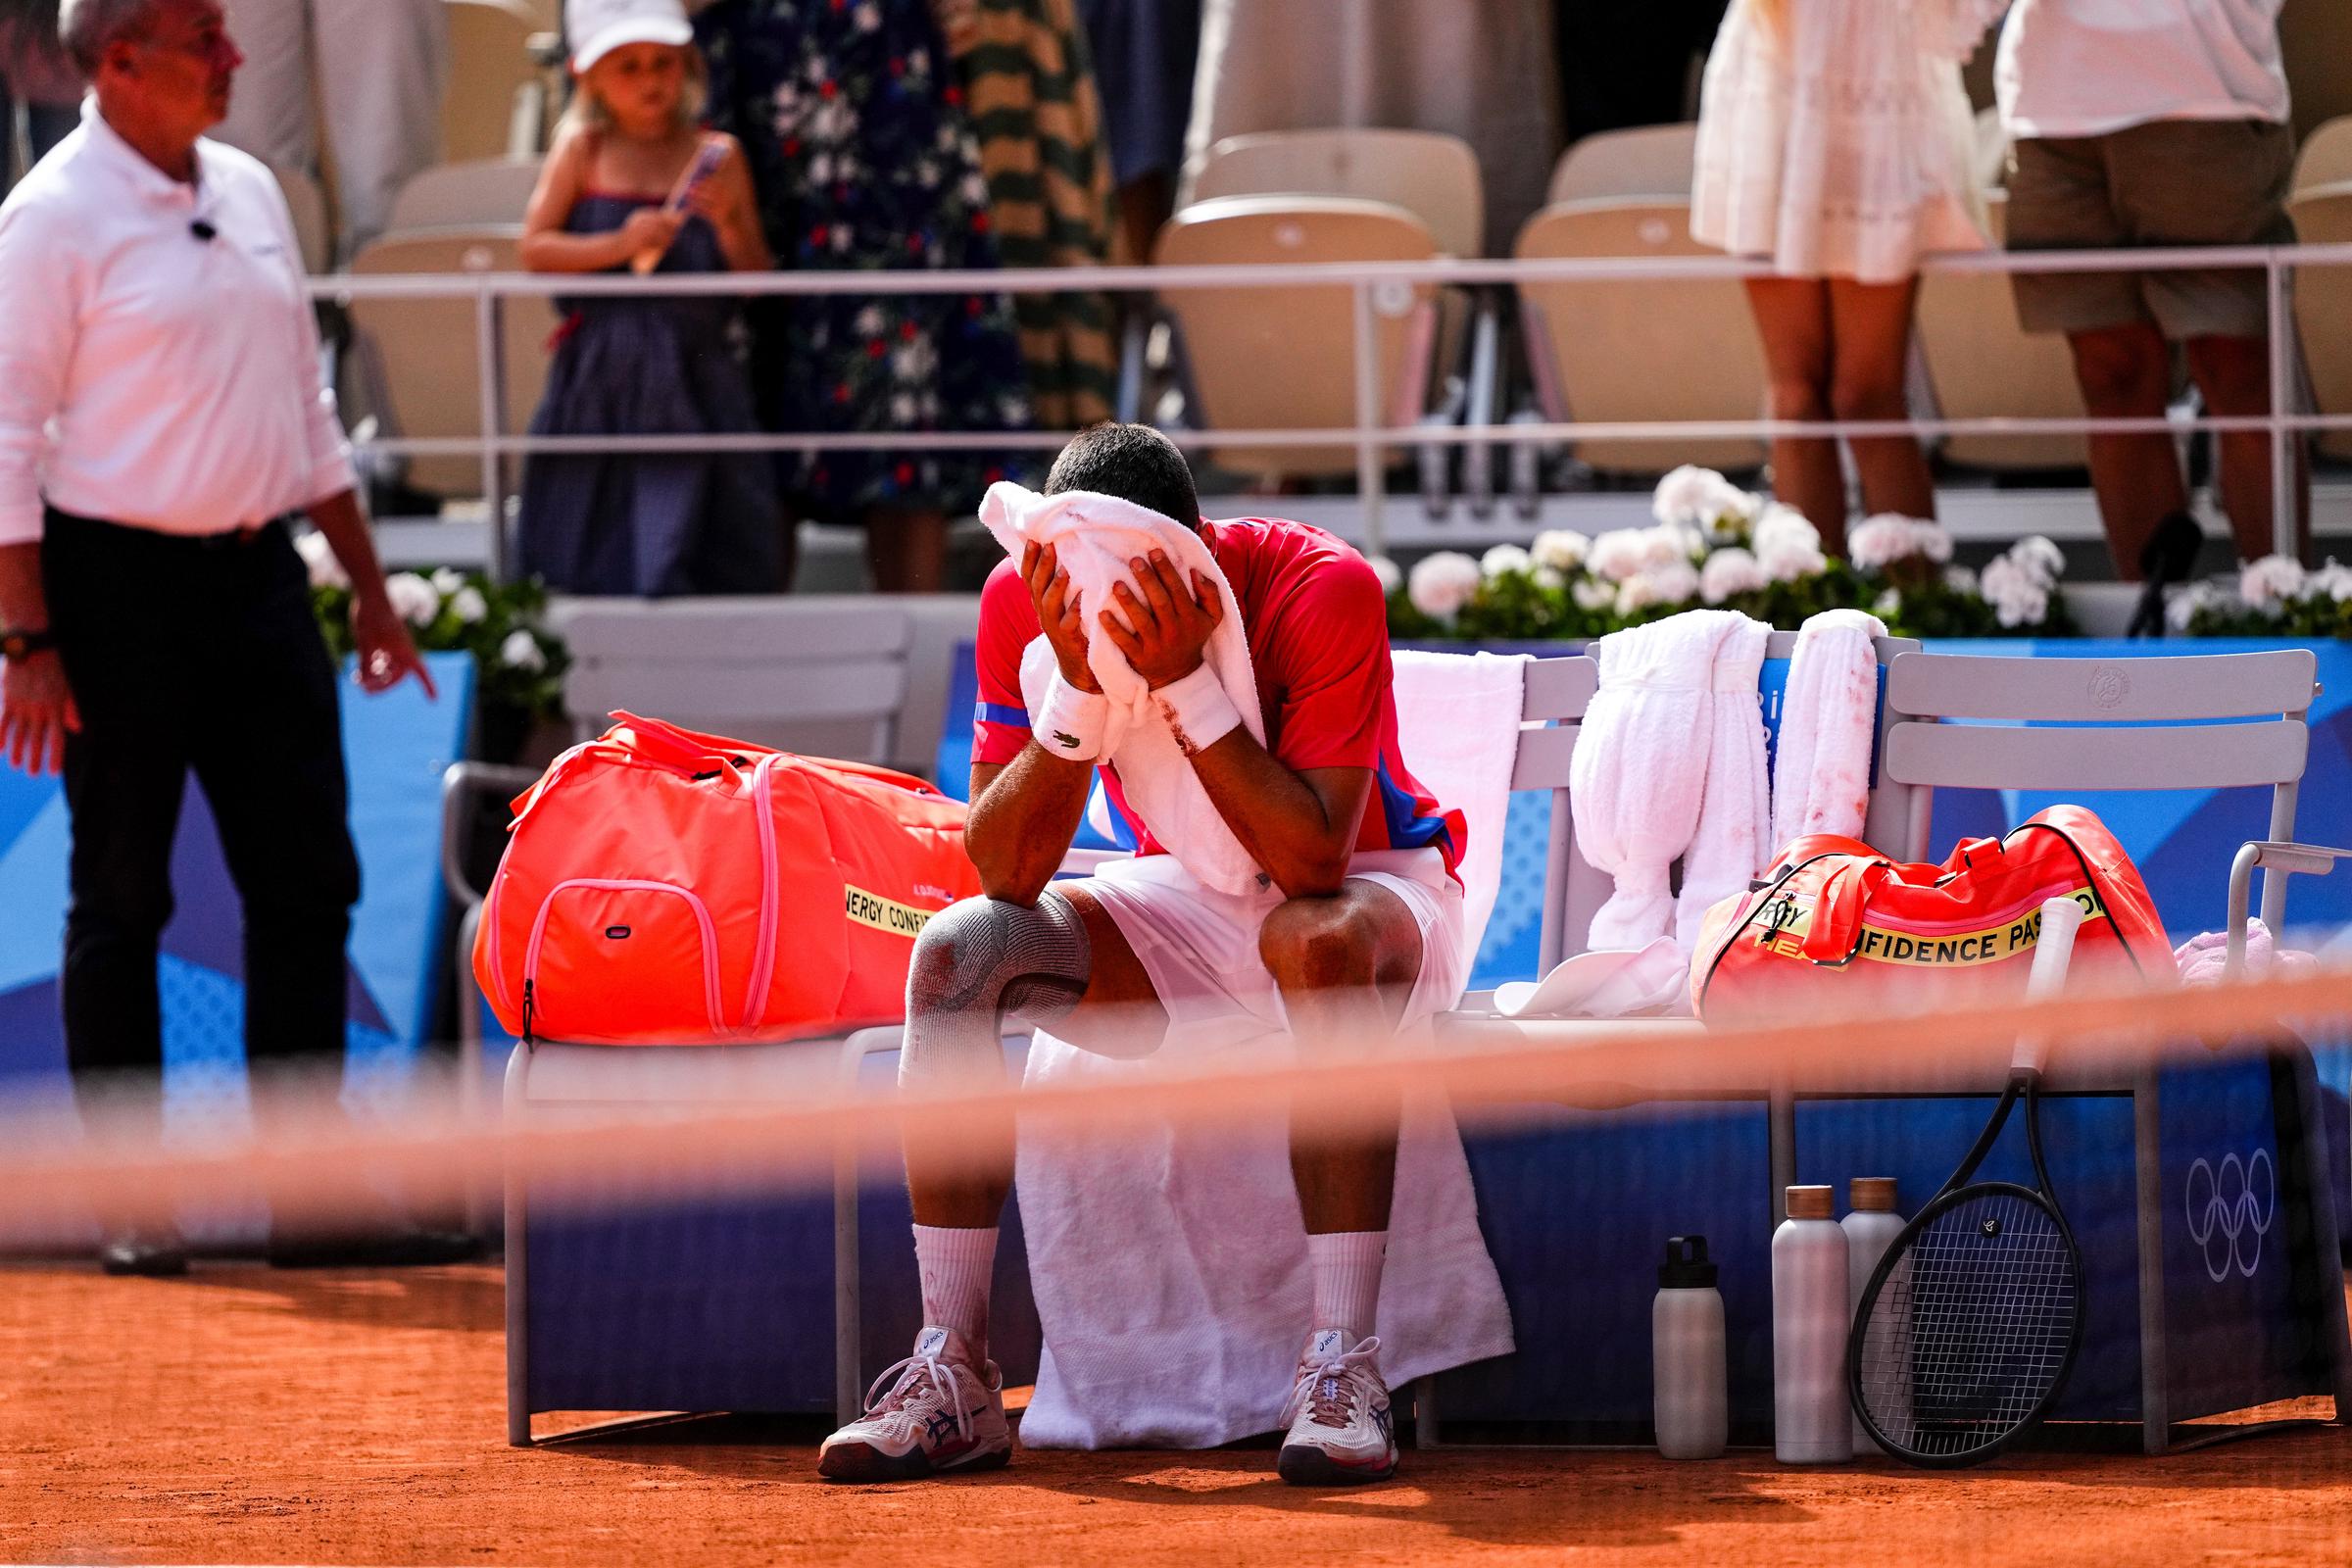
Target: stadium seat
1651 161
2323 295
1985 366
419 357
306 203
482 190
2327 156
1284 358
1432 176
1652 350
496 94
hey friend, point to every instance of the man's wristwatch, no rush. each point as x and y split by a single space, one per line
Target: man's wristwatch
18 646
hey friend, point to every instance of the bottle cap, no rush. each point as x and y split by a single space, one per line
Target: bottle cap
1872 1195
1687 1267
1812 1203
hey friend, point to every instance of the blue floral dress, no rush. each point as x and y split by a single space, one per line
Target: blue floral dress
864 157
649 523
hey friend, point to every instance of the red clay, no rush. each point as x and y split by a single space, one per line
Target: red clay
244 1416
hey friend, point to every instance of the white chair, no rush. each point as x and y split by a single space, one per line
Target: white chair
479 192
1648 163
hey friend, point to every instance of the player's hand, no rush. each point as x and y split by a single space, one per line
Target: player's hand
1058 613
1167 625
37 711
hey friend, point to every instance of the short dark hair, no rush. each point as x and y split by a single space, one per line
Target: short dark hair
1132 462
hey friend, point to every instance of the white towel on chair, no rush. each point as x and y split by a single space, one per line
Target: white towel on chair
1093 537
1638 784
1457 723
1735 816
1828 723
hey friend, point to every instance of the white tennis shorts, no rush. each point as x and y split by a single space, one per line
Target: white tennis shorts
1200 947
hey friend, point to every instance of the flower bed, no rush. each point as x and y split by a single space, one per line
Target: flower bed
1716 546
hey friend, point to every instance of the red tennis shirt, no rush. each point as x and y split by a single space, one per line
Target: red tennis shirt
1318 632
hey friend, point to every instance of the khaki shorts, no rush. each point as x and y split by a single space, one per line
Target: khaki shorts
2164 184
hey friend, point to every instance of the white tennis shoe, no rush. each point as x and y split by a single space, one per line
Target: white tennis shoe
1342 1433
944 1413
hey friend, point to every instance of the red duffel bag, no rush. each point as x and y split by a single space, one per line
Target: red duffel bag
1834 921
662 887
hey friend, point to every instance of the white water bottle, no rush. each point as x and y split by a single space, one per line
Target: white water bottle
1871 1226
1811 1418
1688 1384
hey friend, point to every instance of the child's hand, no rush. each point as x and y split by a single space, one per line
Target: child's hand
649 228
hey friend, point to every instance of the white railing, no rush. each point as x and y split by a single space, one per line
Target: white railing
1379 288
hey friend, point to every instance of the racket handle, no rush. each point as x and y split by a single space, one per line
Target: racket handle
2053 951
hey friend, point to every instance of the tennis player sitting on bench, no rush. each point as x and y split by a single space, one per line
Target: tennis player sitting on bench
1356 934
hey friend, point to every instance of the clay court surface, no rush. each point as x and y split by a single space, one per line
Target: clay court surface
241 1415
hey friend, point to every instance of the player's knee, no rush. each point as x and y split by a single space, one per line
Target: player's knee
1314 943
988 955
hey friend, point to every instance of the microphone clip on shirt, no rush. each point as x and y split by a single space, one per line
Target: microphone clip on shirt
202 230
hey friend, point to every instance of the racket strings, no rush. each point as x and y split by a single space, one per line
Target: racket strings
1971 1328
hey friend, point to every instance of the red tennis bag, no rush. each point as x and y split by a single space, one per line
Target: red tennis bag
662 887
1835 919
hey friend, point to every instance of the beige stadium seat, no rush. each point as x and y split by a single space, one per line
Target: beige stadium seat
1428 174
1284 358
1985 365
306 203
490 70
2323 306
420 354
1648 161
479 191
2326 155
1648 350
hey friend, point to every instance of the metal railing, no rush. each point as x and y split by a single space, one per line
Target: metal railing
1378 289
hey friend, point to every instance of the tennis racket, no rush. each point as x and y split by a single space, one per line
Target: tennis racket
1970 1324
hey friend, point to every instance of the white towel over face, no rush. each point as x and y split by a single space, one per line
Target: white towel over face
1094 538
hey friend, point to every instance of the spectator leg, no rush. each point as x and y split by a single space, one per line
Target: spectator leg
1793 317
906 549
2235 375
2126 372
1871 345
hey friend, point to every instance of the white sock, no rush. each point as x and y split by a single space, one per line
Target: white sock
1347 1267
957 1266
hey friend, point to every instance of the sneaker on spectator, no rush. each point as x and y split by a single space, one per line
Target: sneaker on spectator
1342 1433
945 1413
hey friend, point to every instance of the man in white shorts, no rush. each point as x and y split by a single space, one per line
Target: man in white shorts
1355 932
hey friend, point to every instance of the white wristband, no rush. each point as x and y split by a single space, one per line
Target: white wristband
1069 722
1198 711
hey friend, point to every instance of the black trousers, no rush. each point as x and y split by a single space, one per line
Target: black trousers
198 655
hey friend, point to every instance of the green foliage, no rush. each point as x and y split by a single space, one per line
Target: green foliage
511 620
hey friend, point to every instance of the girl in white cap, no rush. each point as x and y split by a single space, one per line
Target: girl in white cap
633 183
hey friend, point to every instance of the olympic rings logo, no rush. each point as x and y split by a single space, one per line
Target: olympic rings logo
2229 1222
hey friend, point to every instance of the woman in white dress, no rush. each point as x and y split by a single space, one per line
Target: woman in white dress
1835 141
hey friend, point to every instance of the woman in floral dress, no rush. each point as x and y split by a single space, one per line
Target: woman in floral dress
864 157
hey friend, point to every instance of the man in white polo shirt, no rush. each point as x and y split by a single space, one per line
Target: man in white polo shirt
161 412
2160 122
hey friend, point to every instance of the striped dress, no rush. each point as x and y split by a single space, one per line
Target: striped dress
1029 84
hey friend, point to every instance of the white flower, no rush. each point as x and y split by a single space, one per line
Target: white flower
2017 597
1439 585
1880 542
447 580
469 605
1960 580
1700 498
2182 607
1674 583
413 598
1560 549
1618 553
1787 558
1593 593
2334 580
2267 584
1503 561
2039 560
1728 573
1670 542
1391 576
520 651
1782 524
1889 602
1551 578
319 557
